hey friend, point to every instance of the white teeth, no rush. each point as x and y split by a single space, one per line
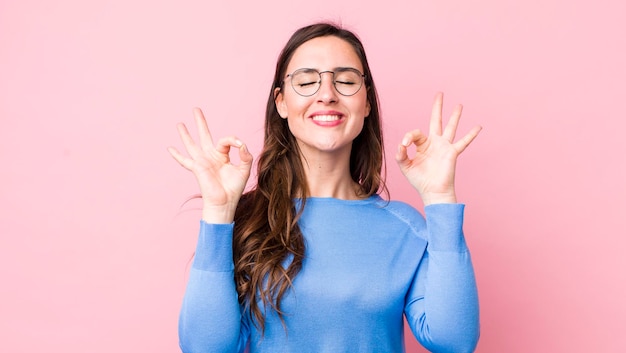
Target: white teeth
326 117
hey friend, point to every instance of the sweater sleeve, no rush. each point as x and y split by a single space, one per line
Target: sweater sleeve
210 318
442 305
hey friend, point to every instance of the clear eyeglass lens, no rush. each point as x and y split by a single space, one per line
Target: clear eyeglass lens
306 82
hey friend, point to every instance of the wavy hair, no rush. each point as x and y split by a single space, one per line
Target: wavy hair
268 245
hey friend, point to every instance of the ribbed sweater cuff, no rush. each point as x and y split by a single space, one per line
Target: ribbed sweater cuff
445 227
214 251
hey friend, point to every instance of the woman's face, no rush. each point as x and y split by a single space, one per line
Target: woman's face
326 121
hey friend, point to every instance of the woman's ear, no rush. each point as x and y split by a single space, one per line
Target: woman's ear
368 108
279 101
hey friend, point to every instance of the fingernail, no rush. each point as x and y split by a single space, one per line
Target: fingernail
406 142
239 143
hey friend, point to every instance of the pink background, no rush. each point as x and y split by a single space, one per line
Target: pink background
95 245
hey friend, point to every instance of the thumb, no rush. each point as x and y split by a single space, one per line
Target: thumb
402 156
245 158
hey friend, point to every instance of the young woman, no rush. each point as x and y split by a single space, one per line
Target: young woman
312 259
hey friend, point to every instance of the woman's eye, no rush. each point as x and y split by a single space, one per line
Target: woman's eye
304 84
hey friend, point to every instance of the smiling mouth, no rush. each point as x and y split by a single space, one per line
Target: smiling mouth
326 117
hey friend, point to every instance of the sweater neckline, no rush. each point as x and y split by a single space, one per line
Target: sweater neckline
371 199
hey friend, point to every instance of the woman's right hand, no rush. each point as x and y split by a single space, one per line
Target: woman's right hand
221 182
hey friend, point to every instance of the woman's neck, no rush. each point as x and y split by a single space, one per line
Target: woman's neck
328 175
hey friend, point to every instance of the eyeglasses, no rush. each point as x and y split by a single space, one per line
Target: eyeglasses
306 82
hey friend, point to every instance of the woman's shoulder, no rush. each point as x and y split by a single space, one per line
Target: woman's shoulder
402 211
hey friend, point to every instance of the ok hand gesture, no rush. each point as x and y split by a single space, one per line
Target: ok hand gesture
431 170
221 182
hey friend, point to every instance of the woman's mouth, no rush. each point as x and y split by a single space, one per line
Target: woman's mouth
326 117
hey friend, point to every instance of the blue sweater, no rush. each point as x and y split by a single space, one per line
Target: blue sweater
367 263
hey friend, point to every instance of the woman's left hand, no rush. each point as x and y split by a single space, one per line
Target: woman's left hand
431 170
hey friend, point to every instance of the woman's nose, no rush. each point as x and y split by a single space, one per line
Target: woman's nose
327 92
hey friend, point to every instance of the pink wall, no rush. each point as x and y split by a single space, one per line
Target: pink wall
94 245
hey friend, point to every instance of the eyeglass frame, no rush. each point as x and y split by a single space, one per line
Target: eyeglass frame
362 75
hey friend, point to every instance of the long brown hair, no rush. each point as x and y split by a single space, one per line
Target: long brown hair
268 246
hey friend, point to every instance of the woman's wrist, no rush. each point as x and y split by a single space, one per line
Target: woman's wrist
434 198
218 214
